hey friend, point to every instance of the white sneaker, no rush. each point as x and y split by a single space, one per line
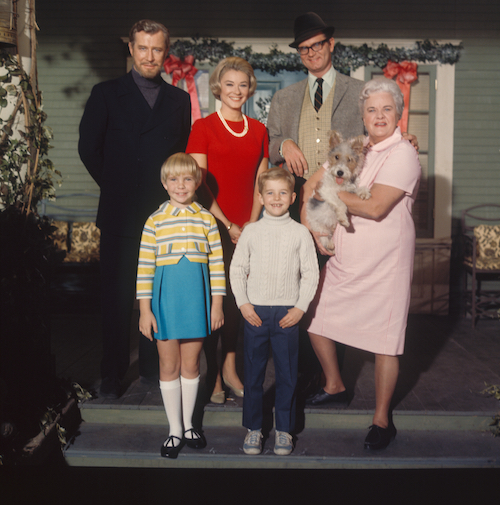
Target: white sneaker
253 442
283 443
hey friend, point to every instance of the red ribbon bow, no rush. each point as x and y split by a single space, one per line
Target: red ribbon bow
184 69
405 73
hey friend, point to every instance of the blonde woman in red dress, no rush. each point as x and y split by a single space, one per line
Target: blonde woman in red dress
232 150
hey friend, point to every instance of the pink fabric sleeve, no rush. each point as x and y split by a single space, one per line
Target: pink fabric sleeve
401 169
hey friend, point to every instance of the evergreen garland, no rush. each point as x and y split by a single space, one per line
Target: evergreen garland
345 58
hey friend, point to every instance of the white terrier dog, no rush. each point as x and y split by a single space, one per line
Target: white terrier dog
325 209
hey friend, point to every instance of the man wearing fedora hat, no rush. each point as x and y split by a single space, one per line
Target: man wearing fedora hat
301 115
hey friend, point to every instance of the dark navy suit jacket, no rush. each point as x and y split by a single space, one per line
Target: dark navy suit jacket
123 143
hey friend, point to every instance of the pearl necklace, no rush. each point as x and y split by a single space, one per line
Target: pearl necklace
245 125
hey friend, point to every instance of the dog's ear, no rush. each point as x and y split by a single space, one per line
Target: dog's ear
335 139
357 144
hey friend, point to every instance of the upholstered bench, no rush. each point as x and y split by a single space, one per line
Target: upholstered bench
80 241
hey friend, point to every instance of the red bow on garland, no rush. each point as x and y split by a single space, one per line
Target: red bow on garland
406 73
184 69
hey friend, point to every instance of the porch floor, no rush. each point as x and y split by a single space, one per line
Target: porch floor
441 414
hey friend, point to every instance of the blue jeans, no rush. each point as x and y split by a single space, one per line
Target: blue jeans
285 347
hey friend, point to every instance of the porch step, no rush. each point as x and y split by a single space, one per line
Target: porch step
131 437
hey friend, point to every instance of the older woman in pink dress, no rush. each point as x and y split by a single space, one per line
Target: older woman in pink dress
364 292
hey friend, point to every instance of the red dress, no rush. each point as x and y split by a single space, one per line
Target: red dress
232 162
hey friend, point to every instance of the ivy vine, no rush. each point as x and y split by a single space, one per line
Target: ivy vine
26 174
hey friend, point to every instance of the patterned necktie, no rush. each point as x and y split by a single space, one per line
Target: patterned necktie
318 97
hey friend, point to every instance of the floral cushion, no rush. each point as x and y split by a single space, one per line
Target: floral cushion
488 240
84 245
484 264
488 247
60 235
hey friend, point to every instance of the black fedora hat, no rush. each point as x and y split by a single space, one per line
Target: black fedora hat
308 25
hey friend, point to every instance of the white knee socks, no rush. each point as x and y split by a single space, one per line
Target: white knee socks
179 399
189 394
171 395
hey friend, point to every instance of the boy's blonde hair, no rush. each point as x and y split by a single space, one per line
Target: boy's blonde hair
181 164
276 173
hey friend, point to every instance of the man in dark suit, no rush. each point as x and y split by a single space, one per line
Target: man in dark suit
130 126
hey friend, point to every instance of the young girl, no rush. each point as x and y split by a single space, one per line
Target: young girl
180 287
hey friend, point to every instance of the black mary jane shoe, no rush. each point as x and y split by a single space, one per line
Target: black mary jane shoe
322 398
169 450
379 438
197 440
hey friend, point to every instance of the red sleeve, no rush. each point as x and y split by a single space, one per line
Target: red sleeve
198 139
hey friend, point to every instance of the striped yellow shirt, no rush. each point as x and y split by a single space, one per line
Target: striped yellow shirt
171 233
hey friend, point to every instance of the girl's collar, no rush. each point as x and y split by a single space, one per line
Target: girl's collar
193 208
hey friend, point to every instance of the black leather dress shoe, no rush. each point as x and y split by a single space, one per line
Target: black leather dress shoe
150 380
110 388
322 397
196 441
169 450
380 438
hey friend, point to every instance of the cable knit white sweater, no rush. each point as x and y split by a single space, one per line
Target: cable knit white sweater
275 264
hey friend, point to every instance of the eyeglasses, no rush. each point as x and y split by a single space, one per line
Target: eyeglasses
303 50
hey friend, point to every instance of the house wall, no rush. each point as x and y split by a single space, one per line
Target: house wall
476 160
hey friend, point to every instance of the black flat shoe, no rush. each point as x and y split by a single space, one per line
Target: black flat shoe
379 438
197 440
322 398
168 450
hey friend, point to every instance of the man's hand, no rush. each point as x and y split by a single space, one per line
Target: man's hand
294 158
412 139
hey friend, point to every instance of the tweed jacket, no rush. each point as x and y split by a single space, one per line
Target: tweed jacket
123 143
284 114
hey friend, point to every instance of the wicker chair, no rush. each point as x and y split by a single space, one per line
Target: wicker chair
481 238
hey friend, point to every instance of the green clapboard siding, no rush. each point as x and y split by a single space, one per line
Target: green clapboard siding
476 167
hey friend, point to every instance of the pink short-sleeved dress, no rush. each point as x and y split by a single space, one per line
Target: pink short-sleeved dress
364 292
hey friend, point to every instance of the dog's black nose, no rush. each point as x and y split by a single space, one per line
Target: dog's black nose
340 173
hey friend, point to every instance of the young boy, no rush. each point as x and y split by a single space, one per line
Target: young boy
274 275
